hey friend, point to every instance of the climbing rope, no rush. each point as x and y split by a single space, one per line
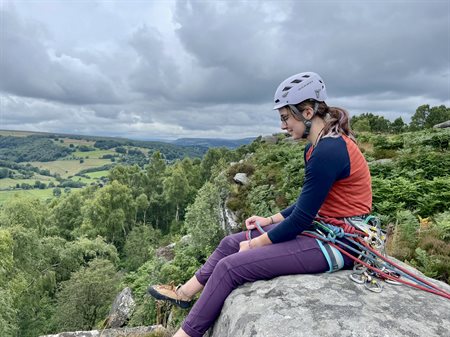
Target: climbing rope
368 243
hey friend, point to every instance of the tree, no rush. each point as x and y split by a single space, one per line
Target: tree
361 125
57 192
419 118
110 213
437 114
398 125
85 298
139 244
4 173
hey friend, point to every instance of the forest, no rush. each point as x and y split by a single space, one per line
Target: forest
65 258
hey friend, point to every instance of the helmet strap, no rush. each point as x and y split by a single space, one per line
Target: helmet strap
306 122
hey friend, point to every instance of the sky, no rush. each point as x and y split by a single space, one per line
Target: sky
146 69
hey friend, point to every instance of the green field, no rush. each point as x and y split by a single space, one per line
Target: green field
40 194
67 168
98 174
9 182
68 141
92 154
16 133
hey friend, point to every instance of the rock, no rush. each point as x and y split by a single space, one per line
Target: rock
381 161
121 310
141 331
442 125
331 305
186 239
269 139
166 252
241 178
291 140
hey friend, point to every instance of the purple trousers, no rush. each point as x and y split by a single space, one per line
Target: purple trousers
227 268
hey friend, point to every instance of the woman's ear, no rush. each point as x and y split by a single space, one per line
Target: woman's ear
308 113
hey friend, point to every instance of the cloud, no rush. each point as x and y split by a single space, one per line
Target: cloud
209 69
30 69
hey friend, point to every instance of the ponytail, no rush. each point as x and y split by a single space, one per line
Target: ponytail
336 119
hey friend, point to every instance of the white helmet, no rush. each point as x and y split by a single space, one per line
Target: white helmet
299 88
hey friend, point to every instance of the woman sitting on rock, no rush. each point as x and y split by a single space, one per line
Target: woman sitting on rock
337 185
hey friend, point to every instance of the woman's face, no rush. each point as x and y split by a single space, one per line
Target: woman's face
288 123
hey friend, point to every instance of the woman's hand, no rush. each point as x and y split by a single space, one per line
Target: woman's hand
250 223
243 245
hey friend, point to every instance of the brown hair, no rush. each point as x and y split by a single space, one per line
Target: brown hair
336 119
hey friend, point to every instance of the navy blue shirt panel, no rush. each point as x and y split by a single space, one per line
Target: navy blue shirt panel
328 163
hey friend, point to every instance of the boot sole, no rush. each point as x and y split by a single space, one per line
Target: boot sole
159 296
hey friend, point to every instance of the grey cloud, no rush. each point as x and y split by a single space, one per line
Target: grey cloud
155 73
29 69
358 47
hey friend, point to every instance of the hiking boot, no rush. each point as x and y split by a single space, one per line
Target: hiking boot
168 292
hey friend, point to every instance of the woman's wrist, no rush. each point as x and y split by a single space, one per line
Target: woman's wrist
260 241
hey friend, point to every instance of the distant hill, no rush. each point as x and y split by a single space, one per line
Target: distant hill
213 142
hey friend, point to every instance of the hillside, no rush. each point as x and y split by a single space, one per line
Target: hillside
41 164
71 255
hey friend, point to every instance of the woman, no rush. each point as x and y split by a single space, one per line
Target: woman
337 185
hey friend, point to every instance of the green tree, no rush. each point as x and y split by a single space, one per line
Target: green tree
362 125
419 119
110 213
437 114
86 297
139 244
398 125
4 173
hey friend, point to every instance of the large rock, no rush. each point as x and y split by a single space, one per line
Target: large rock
121 309
241 178
269 139
331 305
142 331
442 125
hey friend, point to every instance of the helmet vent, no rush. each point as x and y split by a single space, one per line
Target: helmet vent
296 81
305 76
277 101
286 88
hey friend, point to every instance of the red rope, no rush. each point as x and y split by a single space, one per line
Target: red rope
433 291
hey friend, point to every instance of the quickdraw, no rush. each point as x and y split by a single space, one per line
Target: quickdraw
367 242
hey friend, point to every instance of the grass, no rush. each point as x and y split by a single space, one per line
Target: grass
92 154
67 168
98 174
68 141
16 133
35 193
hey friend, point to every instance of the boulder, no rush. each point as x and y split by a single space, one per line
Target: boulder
442 125
291 140
141 331
241 178
331 305
269 139
121 310
166 252
384 161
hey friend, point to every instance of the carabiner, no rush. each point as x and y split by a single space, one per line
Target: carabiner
373 285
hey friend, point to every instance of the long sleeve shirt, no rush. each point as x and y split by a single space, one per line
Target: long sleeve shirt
337 184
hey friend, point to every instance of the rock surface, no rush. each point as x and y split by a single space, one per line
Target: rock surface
141 331
442 125
270 139
121 310
326 305
241 178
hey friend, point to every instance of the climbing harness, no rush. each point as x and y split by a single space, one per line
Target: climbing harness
365 238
